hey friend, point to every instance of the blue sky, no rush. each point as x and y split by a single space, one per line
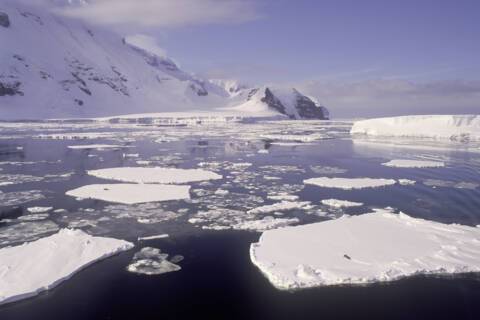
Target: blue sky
338 39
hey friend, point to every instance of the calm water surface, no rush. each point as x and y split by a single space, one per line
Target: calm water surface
217 280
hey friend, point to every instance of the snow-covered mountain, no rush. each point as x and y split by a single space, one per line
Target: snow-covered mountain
55 67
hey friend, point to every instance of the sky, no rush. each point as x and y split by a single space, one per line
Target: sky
374 57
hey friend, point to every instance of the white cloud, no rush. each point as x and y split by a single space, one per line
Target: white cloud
162 13
385 97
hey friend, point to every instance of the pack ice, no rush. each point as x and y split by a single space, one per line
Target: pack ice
378 246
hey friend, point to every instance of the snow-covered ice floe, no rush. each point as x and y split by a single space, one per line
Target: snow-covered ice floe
28 269
349 183
454 127
154 175
341 203
373 247
403 163
127 193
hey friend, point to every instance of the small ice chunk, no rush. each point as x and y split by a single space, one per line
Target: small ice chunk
279 206
406 182
160 236
96 146
39 209
149 261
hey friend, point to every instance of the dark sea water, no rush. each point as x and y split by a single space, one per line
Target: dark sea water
218 280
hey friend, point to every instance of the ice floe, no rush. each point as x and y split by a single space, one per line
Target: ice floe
340 203
154 175
28 269
39 209
150 261
349 183
160 236
19 197
127 193
403 163
378 246
97 147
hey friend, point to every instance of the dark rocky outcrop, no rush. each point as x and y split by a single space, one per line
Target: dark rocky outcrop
10 89
308 109
4 20
273 102
305 107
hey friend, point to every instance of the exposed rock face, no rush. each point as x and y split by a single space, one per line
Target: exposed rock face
10 89
4 20
308 109
273 102
303 107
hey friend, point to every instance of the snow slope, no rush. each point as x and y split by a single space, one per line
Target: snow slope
52 66
378 246
28 269
454 127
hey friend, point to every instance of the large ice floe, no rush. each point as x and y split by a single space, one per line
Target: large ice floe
349 183
373 247
404 163
454 127
128 193
154 175
28 269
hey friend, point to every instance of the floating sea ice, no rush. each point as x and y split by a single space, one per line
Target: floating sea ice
280 206
131 193
349 183
378 246
401 163
9 179
41 265
26 231
267 223
341 203
34 217
150 261
160 236
19 197
406 182
39 209
97 146
154 175
327 170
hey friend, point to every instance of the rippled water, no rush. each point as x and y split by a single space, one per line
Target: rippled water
259 161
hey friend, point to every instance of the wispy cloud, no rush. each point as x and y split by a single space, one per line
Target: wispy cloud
162 13
384 97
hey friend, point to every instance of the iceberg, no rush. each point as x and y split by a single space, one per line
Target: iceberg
453 127
373 247
31 268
